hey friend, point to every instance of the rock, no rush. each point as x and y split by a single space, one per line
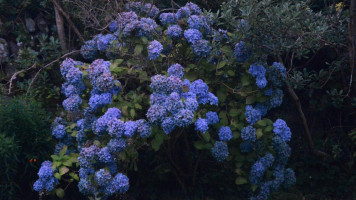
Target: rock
30 25
42 24
9 69
4 50
14 48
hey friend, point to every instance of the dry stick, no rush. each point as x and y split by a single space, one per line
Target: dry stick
60 30
49 64
58 6
13 77
305 123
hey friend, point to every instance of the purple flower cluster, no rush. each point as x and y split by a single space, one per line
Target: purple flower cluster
167 18
193 35
154 50
174 31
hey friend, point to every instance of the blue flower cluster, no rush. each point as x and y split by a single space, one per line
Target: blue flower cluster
73 86
241 52
174 31
252 114
167 18
149 9
172 107
104 85
282 130
46 180
259 72
154 50
276 74
220 151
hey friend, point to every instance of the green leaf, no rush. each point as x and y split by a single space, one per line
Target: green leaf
240 180
226 49
245 81
60 193
63 170
261 122
72 125
234 112
259 133
57 176
138 49
199 145
63 150
132 112
118 61
250 99
74 175
68 163
221 64
206 136
231 73
54 157
268 129
138 106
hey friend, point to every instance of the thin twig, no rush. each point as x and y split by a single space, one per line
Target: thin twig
49 64
13 77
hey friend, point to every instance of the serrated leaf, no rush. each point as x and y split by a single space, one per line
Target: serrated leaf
63 170
240 180
60 193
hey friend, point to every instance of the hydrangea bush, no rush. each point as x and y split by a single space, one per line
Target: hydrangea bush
181 73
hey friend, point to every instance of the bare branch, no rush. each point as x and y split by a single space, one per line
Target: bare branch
49 64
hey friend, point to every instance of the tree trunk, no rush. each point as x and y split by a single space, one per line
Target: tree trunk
352 48
60 30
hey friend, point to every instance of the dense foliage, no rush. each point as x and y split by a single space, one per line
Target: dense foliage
191 102
25 139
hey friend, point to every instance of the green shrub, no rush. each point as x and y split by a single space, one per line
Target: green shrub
24 135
